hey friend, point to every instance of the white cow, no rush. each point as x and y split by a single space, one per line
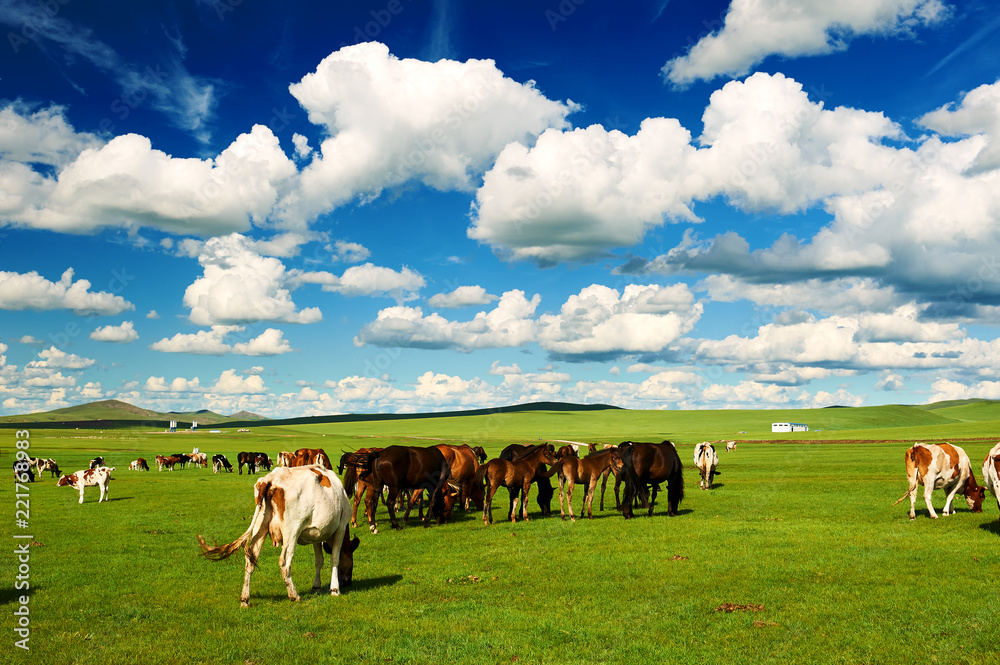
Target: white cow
707 460
941 466
991 472
87 478
730 445
302 504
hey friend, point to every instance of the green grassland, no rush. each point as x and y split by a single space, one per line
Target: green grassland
802 527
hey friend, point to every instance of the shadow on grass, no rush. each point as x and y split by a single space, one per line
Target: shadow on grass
373 583
10 595
993 527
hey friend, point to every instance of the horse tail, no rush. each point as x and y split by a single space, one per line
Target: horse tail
350 479
675 483
481 473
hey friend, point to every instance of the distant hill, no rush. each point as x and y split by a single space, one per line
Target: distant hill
115 413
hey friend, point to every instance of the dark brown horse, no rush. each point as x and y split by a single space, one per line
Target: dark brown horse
355 484
464 462
645 464
518 474
588 470
404 469
545 492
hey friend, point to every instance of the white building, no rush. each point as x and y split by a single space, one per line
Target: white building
789 427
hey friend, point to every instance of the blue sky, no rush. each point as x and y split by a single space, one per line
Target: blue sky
399 206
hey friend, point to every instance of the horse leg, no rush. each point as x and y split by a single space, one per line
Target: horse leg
390 503
515 494
589 499
371 505
652 501
604 485
491 489
569 498
526 489
562 513
358 494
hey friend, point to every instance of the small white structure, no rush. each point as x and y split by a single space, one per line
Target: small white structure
789 427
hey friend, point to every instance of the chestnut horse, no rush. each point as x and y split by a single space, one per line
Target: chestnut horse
588 470
406 468
515 475
545 491
646 464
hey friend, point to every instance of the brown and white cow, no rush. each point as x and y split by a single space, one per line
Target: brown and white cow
305 505
88 478
730 445
201 459
220 462
284 457
707 460
941 466
139 465
991 472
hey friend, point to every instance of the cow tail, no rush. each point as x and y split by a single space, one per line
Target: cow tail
911 474
220 552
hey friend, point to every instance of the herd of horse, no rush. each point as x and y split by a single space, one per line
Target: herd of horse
460 474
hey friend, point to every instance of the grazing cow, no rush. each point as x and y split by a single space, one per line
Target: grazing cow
991 472
168 462
284 457
941 466
220 462
730 445
645 464
96 462
200 459
182 459
24 468
139 465
306 456
263 461
706 459
304 505
42 464
87 478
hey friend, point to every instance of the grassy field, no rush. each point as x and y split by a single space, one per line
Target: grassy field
801 534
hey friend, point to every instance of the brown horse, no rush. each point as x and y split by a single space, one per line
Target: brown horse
587 471
406 468
646 464
512 453
464 462
355 484
517 475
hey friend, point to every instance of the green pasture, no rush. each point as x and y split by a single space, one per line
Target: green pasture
801 533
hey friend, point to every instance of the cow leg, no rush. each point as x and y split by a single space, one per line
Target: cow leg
104 492
285 564
928 495
336 543
81 494
948 510
253 549
318 557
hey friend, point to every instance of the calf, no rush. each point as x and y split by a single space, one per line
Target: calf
220 462
944 467
707 460
305 505
991 472
88 477
139 465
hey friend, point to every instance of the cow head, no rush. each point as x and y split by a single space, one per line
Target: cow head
66 480
974 495
345 568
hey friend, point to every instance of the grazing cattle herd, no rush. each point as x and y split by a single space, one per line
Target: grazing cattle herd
303 501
